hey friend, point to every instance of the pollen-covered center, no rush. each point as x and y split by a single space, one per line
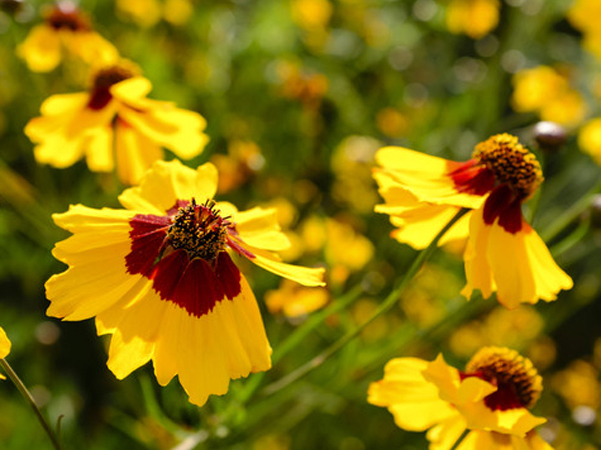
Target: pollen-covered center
65 15
511 163
200 230
517 381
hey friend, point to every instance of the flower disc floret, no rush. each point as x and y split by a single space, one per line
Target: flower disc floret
511 163
517 381
200 230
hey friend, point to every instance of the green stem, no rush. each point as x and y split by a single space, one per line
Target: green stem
384 306
460 440
29 399
570 215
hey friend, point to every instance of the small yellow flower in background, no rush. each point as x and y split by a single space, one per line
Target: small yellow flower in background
491 399
313 17
159 277
503 254
243 159
301 84
583 15
114 124
475 18
294 300
547 92
578 385
392 122
147 13
65 29
589 139
4 347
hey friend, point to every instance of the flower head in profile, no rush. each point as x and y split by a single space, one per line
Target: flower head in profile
4 347
503 254
160 278
491 399
65 29
114 124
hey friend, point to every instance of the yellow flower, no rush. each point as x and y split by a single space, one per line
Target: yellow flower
294 300
490 398
4 348
476 18
160 278
582 15
547 92
114 123
503 253
589 139
65 28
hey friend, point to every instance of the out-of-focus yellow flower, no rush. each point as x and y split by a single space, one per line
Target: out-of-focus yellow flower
515 329
294 300
475 18
425 298
351 164
583 15
391 122
147 13
422 193
159 277
311 14
578 385
306 86
589 139
243 159
114 124
490 400
4 347
547 92
65 28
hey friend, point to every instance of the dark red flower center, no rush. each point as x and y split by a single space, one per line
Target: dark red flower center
518 384
100 94
66 16
184 254
508 171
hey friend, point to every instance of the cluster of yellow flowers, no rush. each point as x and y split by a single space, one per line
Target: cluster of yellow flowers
159 276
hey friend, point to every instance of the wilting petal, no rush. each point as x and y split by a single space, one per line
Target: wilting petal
413 401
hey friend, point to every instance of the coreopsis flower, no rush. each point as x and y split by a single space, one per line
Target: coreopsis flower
547 92
4 347
491 399
503 253
65 29
114 124
475 18
160 278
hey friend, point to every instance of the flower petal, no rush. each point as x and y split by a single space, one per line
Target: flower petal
41 50
4 344
167 182
135 153
259 227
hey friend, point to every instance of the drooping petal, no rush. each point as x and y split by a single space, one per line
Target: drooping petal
413 401
425 176
531 273
168 182
41 50
99 149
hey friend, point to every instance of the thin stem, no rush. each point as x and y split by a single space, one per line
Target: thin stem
460 440
384 306
29 398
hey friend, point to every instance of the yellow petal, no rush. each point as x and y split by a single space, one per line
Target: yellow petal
473 389
167 182
4 344
258 227
304 275
413 401
477 269
425 176
444 377
534 442
60 104
477 440
41 50
91 47
135 154
99 149
444 435
131 89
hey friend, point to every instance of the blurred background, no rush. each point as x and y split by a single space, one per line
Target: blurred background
298 96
